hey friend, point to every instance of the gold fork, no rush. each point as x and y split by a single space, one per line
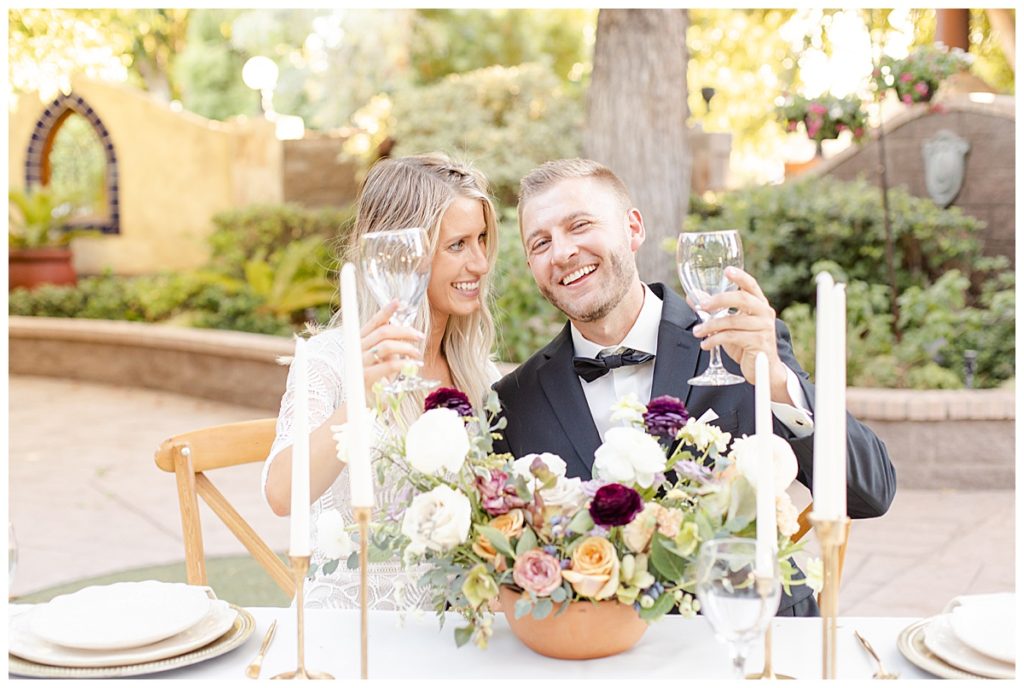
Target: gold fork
253 670
881 673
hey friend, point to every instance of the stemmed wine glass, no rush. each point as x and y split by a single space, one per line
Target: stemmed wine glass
702 258
737 604
12 556
396 265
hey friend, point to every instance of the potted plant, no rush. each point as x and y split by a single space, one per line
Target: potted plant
37 241
824 117
916 77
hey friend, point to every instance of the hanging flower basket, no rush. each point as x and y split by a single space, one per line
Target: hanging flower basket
917 77
824 117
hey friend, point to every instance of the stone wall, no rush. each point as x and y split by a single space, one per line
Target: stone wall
988 188
957 439
314 176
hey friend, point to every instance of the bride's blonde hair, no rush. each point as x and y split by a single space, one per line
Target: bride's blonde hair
416 191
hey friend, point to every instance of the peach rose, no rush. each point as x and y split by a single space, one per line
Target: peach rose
594 569
510 525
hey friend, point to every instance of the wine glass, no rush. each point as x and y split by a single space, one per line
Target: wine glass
12 556
738 604
396 265
702 258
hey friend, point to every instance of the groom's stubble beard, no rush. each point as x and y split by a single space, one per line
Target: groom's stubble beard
622 273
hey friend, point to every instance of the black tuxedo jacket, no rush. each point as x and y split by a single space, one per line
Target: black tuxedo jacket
546 410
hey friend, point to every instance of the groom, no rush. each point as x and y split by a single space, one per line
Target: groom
581 234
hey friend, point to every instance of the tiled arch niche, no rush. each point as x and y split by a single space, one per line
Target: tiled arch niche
37 161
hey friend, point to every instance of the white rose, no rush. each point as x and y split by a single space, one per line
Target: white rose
437 520
628 410
437 441
521 466
744 453
331 537
629 456
566 493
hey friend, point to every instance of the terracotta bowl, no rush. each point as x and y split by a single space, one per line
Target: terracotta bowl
586 630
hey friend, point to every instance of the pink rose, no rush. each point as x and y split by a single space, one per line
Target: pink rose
921 87
858 132
907 99
497 495
905 77
817 108
791 126
538 572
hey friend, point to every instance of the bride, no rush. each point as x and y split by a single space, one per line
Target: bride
453 329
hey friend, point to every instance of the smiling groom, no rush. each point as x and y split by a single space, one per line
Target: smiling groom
581 235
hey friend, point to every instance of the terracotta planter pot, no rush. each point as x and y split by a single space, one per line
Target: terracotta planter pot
583 631
31 267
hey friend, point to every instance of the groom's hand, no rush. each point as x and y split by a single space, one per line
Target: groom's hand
747 329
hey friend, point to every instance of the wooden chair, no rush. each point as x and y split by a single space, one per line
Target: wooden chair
804 523
189 455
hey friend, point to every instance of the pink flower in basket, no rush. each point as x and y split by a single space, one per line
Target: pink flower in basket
817 108
538 572
921 87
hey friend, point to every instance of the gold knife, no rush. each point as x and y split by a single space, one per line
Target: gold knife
253 670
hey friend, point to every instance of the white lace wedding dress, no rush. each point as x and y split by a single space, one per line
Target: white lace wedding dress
390 586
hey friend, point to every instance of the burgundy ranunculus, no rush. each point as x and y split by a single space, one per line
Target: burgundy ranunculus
615 505
665 416
449 397
497 495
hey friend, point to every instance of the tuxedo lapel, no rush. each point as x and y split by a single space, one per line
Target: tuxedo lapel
565 394
679 351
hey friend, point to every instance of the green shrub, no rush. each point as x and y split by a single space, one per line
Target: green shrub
263 231
788 228
524 319
507 120
219 308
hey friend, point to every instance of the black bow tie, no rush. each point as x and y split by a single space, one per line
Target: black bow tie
592 368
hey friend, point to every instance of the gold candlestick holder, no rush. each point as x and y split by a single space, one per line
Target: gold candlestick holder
764 588
299 567
362 515
832 534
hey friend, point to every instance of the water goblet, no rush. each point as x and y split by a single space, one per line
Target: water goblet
396 265
701 258
738 604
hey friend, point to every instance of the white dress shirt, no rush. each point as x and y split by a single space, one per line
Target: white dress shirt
639 379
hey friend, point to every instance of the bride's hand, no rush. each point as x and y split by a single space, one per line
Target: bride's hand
387 347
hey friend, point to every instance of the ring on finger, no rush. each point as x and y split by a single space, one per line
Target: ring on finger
375 353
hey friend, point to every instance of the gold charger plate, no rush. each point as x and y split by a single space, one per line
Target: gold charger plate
911 644
241 630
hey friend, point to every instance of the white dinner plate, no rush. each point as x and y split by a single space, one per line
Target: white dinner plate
987 626
23 643
120 615
940 639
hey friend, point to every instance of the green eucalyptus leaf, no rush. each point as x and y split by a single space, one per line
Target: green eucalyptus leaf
522 608
581 522
527 541
668 564
463 635
662 605
542 608
331 566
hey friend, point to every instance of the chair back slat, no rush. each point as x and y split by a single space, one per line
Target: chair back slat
221 446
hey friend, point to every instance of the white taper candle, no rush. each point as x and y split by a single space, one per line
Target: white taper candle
824 400
358 420
839 426
767 530
299 519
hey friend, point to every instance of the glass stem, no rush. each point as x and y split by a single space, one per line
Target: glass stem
739 660
716 358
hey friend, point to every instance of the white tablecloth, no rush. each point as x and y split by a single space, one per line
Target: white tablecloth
673 648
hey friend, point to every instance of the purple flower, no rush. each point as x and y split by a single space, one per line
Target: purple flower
615 505
590 487
693 471
665 416
497 495
448 397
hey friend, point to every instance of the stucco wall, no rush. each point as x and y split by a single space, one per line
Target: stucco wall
175 170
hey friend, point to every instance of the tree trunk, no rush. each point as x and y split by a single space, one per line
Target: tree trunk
636 122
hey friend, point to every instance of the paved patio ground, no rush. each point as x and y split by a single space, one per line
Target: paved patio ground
86 499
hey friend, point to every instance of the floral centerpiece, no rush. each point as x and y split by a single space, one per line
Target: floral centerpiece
916 77
478 522
823 117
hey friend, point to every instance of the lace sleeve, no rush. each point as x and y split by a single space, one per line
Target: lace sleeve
325 369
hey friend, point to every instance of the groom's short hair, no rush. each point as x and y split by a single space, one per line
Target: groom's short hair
542 178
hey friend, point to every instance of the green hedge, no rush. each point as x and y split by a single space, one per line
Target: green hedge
951 298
